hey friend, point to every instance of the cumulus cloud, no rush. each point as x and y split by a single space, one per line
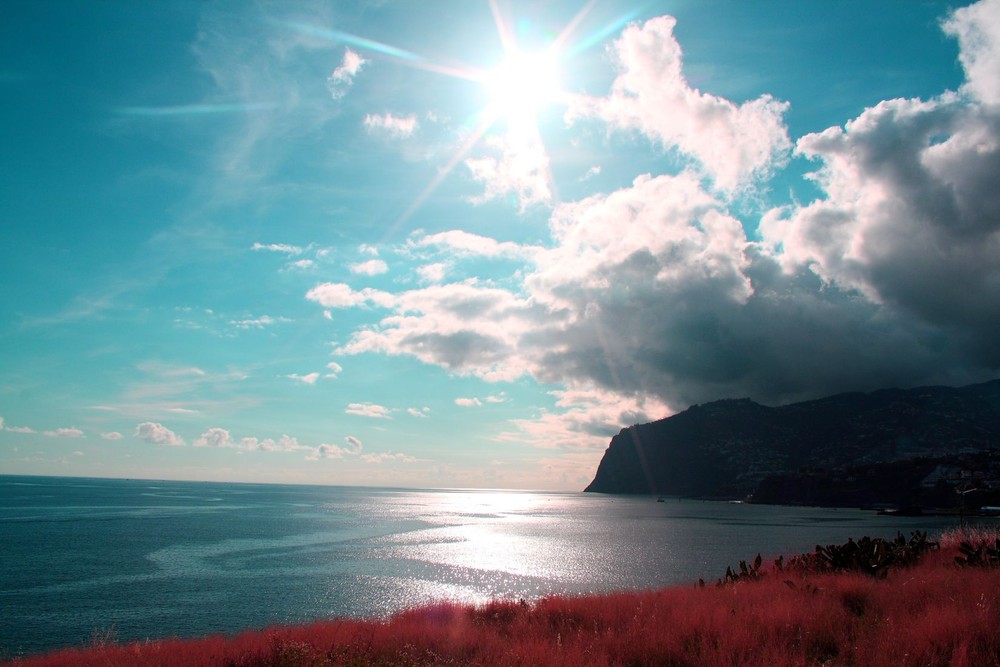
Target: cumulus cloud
468 402
653 297
367 410
308 378
214 437
352 446
423 413
432 273
283 444
341 79
519 167
333 370
340 295
734 143
586 418
977 28
15 429
71 432
390 125
157 434
112 435
372 267
910 216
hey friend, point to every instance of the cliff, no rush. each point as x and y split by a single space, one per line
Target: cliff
725 449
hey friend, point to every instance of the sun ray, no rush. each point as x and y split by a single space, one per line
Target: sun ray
407 58
601 34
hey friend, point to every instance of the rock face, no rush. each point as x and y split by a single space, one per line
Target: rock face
726 448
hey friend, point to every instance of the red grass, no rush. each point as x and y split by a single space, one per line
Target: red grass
932 614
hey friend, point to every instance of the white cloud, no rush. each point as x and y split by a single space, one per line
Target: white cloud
215 437
587 417
460 242
342 77
300 265
468 402
432 273
283 444
372 267
258 322
423 413
308 378
393 126
278 247
157 434
112 435
19 429
367 410
352 446
339 295
977 28
386 457
71 432
733 143
521 169
334 370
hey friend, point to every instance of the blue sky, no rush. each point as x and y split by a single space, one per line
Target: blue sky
463 243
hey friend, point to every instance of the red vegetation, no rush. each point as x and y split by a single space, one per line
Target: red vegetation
933 613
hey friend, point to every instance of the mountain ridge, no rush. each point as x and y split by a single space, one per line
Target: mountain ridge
726 448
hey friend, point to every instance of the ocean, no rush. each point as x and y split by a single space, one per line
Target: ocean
86 559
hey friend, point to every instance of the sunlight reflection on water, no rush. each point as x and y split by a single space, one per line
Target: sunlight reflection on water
193 559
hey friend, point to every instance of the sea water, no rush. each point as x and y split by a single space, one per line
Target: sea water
129 560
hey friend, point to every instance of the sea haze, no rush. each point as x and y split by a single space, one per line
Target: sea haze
135 559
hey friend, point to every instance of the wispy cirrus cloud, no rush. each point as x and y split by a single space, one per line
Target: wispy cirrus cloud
279 247
391 125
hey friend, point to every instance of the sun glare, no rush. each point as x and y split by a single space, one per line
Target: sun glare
523 84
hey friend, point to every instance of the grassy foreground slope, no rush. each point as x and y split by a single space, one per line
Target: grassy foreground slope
932 613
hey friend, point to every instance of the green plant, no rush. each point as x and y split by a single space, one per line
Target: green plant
983 555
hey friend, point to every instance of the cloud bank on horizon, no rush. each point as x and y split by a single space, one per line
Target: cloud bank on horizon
554 271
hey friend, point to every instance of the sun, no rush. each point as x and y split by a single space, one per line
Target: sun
523 84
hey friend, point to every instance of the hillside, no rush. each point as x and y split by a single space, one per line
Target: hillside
726 449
